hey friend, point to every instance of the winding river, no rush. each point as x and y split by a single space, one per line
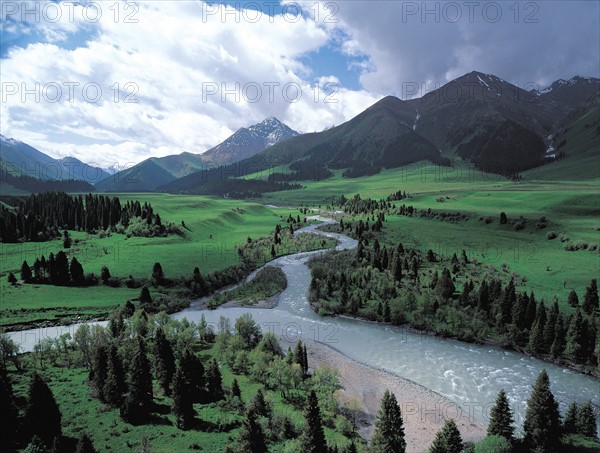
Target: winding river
467 374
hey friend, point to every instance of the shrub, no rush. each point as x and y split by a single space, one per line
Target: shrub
519 225
551 235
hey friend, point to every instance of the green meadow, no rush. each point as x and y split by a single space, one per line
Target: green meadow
213 229
215 226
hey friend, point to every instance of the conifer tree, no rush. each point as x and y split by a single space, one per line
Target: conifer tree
501 418
42 415
164 363
574 341
139 397
183 408
84 444
389 429
573 299
114 385
26 272
586 421
590 303
571 419
100 369
251 437
235 389
312 439
214 382
9 412
542 419
558 346
260 405
448 439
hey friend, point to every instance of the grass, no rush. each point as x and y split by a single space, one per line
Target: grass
214 228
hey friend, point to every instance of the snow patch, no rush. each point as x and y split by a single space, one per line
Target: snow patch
482 82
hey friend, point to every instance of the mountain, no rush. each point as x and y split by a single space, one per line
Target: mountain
246 142
574 151
25 162
378 137
565 96
143 177
483 118
155 172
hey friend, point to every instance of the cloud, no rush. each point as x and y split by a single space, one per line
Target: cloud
436 42
178 76
149 78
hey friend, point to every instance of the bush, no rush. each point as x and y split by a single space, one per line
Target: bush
493 444
519 225
551 235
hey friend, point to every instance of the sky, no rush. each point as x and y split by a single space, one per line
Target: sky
116 82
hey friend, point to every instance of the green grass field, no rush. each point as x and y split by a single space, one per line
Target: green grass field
214 228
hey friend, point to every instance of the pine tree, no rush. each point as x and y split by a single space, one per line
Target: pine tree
12 279
558 346
304 358
158 275
9 412
76 271
586 421
105 275
100 369
398 268
542 419
571 419
114 385
183 408
445 285
214 382
146 299
164 363
235 389
573 347
260 405
501 418
590 300
573 299
42 415
448 439
389 429
550 327
506 307
66 240
26 272
312 439
139 397
84 444
251 437
536 336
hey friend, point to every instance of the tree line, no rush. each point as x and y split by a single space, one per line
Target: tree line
40 217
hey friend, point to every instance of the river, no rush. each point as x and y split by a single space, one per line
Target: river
467 374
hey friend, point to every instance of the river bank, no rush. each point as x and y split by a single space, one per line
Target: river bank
423 410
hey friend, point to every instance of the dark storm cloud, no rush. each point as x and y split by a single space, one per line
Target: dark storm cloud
434 42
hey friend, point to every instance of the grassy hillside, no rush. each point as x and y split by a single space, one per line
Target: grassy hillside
581 137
